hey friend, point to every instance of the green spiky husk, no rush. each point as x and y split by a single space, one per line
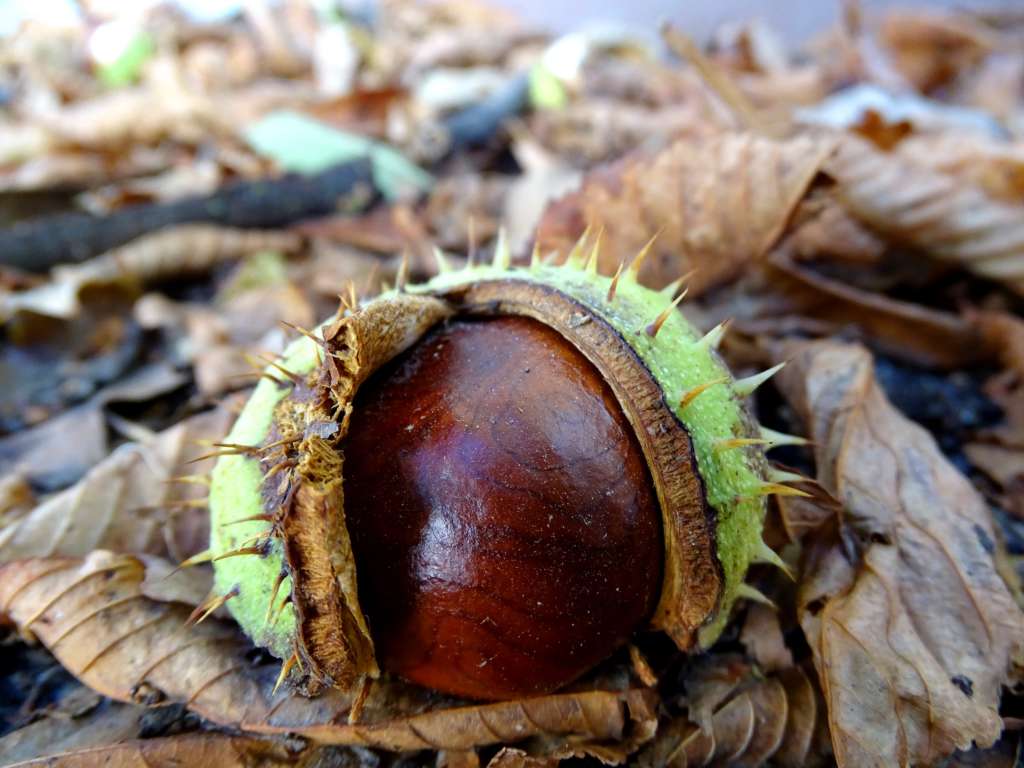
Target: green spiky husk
676 357
236 494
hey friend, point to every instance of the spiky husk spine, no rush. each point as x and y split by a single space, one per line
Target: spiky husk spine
711 481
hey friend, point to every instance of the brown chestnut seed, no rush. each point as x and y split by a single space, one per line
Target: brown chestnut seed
504 524
280 539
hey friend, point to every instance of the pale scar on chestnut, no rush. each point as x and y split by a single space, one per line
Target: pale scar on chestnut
486 483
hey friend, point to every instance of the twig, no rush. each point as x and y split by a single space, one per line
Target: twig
39 244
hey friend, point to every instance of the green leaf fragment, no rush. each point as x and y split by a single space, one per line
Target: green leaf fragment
301 144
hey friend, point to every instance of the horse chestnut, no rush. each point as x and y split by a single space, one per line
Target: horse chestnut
495 490
485 483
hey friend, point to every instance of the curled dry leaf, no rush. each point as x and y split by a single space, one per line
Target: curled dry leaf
246 322
130 116
94 616
802 718
710 683
823 229
999 451
931 48
643 716
732 728
68 363
177 251
1004 754
60 450
763 639
1003 463
128 502
719 204
770 706
994 166
908 331
185 249
460 758
16 497
509 757
600 129
913 631
77 170
802 515
199 749
107 723
731 732
934 212
1003 334
738 717
377 230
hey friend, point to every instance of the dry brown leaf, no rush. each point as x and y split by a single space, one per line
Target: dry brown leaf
643 716
998 452
58 451
697 749
1005 754
731 730
1003 334
455 201
78 170
124 117
178 251
16 498
931 48
710 683
225 341
282 39
934 212
331 266
184 249
908 331
770 712
601 130
802 515
459 758
733 727
913 640
801 719
719 205
127 502
638 79
762 637
484 41
107 723
996 85
94 616
201 177
823 229
516 758
200 749
1004 464
994 166
375 230
19 141
736 717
